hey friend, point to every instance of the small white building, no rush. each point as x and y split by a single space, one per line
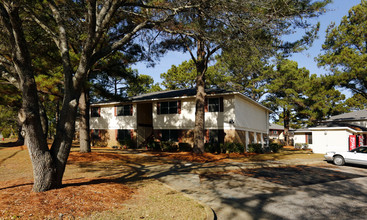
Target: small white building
170 116
336 133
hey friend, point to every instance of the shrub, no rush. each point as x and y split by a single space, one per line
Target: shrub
255 148
301 146
212 148
169 146
185 147
99 143
128 143
6 132
229 147
274 147
155 146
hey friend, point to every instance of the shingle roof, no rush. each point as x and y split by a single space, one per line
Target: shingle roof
174 93
276 127
356 115
336 124
301 130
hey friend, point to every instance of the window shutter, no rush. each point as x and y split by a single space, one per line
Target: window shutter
221 107
132 134
131 109
115 109
206 105
158 108
179 107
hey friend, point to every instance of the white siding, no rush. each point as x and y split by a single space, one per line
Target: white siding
238 114
330 140
185 120
221 120
299 138
250 117
108 120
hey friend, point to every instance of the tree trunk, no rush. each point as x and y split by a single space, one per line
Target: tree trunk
286 126
20 135
64 136
44 120
84 134
199 129
201 67
29 115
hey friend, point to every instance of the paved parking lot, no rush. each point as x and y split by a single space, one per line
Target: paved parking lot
318 191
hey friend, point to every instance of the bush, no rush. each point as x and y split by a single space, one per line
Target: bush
6 132
185 147
229 147
128 143
155 146
274 147
212 148
301 146
255 148
99 143
169 146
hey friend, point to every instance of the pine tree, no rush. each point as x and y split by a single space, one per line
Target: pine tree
345 50
210 27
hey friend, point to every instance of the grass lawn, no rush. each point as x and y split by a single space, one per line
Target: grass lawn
109 184
104 184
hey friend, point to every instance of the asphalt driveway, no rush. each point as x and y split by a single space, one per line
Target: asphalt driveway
315 190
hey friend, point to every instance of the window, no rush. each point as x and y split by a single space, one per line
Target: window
123 134
95 112
214 105
172 107
274 132
124 110
309 139
170 135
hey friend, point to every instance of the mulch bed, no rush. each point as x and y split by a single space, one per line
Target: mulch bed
78 197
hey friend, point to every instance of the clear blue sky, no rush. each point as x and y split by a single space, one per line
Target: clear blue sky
335 12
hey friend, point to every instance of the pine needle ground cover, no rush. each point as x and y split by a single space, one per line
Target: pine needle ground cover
98 185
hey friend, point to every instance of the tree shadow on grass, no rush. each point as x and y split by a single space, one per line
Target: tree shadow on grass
12 144
12 155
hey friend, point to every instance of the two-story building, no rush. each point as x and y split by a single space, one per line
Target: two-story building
170 116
